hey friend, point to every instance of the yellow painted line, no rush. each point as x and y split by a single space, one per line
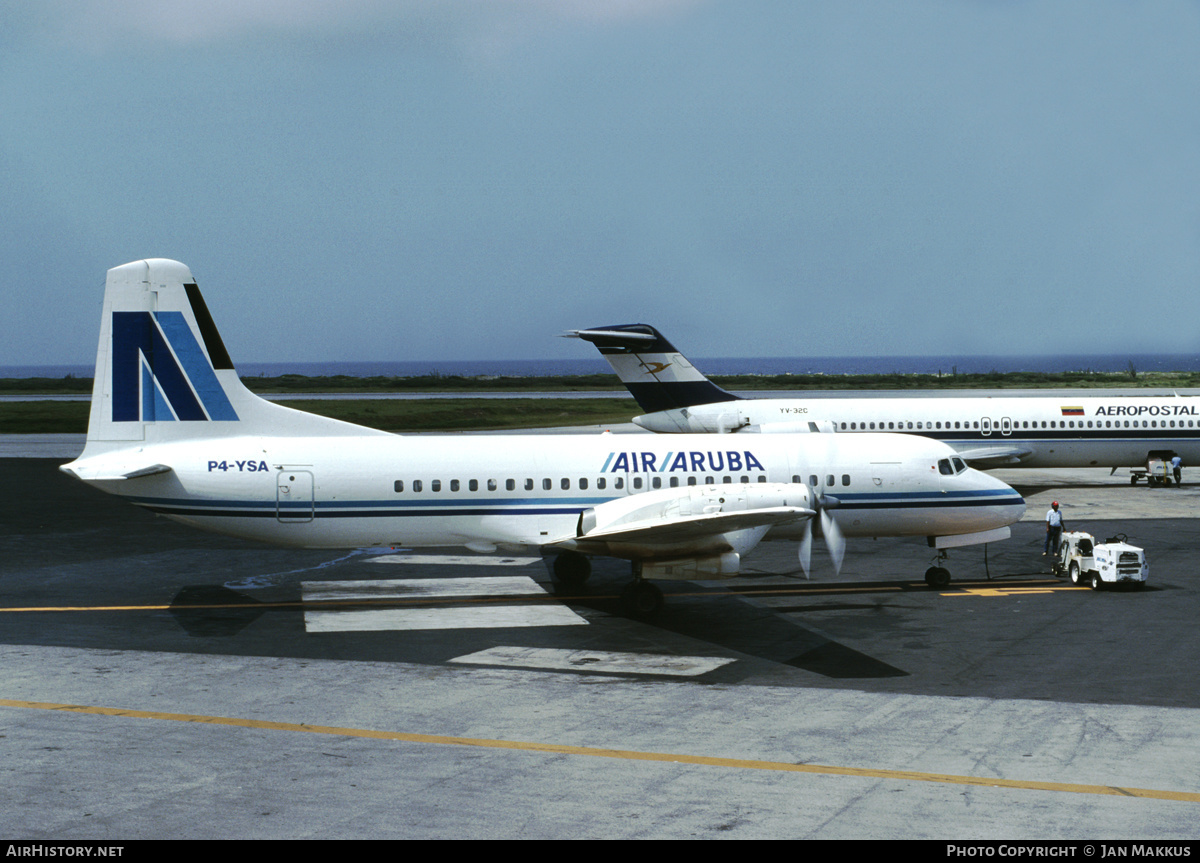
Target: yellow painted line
1012 591
624 754
526 599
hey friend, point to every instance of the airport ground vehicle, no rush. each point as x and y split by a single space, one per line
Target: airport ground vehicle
1112 562
1157 471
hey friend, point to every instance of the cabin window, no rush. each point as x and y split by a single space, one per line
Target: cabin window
435 485
691 480
674 482
843 426
637 482
491 485
510 485
473 485
565 484
416 485
812 480
601 483
399 486
845 479
708 480
726 479
828 479
656 482
583 482
619 482
453 485
547 484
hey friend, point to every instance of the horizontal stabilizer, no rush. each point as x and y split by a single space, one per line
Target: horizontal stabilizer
633 337
91 471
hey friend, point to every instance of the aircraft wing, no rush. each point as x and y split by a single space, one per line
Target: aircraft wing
995 456
694 531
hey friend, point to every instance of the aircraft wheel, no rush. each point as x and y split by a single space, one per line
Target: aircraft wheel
642 599
1133 480
1074 573
1096 582
937 577
572 568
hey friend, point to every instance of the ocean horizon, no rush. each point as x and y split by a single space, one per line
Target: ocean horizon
709 365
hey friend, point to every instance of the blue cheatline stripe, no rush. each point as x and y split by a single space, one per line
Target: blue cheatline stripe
535 506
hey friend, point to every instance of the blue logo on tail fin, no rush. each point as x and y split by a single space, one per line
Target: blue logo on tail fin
159 372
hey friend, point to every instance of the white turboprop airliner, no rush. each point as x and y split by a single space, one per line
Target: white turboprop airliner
172 429
1034 431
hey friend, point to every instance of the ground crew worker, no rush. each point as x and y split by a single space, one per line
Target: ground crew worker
1177 469
1054 528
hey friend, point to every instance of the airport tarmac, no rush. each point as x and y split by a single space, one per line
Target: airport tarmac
160 682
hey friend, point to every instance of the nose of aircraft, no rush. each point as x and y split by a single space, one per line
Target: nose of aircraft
1004 503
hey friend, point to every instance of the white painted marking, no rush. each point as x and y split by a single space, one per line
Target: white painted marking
454 560
491 617
554 659
428 616
409 588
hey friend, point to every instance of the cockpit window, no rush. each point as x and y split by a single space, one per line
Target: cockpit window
944 467
959 465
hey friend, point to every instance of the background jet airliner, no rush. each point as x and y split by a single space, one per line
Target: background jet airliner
172 429
1036 431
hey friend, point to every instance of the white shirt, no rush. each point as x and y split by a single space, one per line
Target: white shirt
1054 518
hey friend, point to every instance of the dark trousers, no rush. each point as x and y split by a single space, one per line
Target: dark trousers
1053 535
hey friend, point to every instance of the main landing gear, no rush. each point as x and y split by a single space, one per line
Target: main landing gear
640 598
572 569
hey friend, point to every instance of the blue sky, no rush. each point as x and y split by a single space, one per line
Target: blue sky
409 179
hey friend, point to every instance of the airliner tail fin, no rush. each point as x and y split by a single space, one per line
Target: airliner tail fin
656 374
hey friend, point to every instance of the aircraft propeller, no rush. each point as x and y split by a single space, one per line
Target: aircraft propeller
834 541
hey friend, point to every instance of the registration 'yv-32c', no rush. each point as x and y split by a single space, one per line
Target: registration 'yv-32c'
172 429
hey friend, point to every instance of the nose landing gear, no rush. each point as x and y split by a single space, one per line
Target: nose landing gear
937 576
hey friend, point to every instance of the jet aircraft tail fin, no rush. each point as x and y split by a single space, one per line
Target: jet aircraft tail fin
656 374
163 373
